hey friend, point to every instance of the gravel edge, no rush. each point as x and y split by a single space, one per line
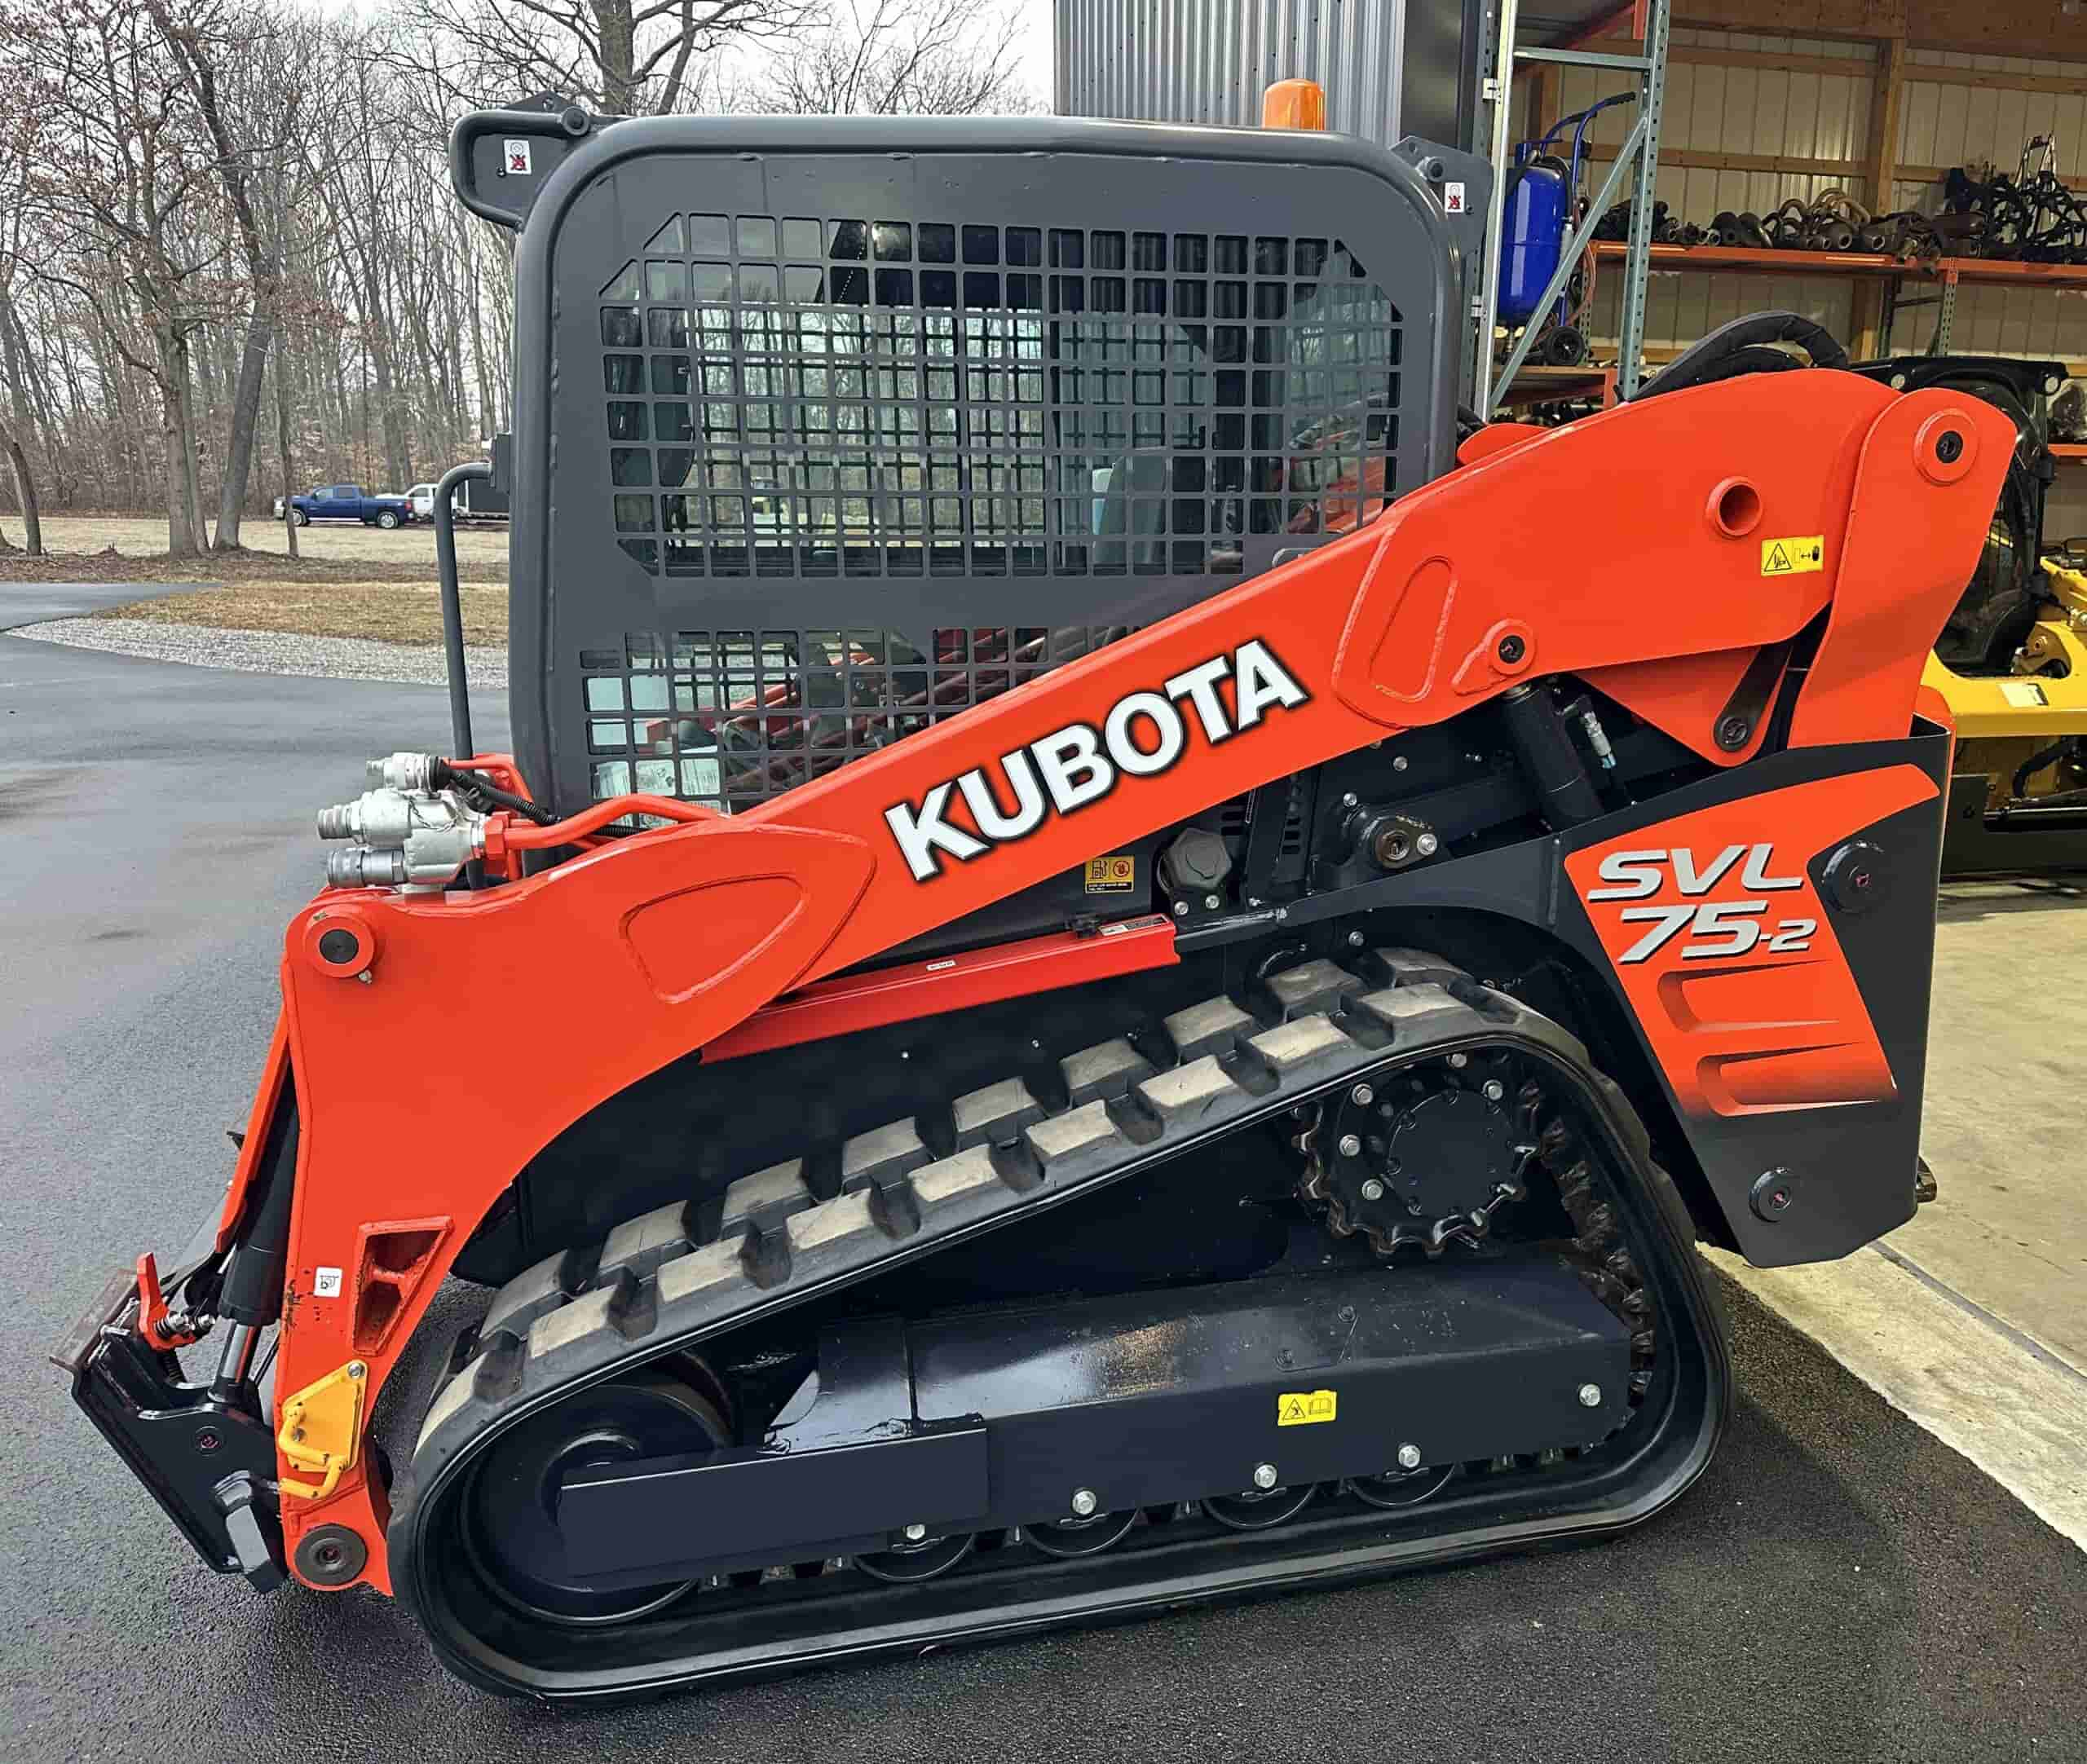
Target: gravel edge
273 652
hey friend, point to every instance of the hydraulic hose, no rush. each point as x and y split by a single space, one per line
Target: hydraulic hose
593 819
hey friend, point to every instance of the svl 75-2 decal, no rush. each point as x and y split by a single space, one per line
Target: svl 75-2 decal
1715 928
1726 953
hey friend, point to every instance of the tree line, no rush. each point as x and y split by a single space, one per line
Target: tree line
231 263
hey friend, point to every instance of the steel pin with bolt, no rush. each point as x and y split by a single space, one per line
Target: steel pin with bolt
1590 1396
1084 1503
1265 1475
1409 1456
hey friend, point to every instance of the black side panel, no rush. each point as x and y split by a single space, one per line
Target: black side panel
1853 1163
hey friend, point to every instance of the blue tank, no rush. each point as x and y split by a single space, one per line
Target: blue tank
1534 232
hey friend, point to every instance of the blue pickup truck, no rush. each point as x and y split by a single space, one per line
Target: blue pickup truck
348 502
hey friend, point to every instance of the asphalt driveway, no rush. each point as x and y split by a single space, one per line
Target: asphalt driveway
1840 1585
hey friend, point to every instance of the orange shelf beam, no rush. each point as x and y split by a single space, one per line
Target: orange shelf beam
1745 260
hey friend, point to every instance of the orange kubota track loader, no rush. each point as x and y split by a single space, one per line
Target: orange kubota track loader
1044 1021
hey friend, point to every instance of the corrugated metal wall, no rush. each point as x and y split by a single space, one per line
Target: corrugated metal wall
1210 60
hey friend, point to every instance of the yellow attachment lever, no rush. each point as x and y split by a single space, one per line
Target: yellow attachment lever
322 1429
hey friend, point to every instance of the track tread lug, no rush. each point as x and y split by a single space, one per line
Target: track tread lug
764 1200
537 1288
969 1172
1082 1130
1311 989
883 1155
641 1244
996 1114
496 1374
714 1265
622 1307
1399 966
1188 1093
827 1228
1293 1047
1217 1026
1103 1073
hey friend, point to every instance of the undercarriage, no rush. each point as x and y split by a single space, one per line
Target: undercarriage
959 1375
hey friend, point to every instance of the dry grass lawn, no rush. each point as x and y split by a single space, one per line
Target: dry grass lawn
392 612
347 581
128 547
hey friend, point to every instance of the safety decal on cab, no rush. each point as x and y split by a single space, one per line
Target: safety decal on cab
1797 556
1305 1409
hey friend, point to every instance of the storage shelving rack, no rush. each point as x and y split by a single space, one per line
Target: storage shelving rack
1639 152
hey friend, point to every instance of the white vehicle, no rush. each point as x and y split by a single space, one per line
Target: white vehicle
476 501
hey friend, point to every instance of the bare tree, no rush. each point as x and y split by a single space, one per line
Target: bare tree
12 370
951 57
118 165
250 113
625 57
233 213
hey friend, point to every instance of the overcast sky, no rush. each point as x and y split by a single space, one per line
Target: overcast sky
1034 15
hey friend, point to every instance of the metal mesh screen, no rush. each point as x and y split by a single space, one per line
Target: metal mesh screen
814 397
728 718
806 396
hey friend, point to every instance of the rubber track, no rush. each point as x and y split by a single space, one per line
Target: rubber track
672 1276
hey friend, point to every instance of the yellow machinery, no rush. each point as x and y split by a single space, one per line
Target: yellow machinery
2018 795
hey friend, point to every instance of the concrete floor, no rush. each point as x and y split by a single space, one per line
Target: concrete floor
1972 1317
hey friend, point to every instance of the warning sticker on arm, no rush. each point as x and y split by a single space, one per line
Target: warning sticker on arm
1113 875
1794 555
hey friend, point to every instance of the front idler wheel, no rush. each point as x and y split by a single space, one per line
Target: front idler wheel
916 1559
510 1532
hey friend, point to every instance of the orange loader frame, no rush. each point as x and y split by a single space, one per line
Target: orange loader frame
1628 549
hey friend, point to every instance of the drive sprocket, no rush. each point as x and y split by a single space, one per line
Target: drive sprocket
1425 1159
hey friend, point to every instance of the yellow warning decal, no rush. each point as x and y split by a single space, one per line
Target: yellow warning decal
1113 875
1302 1408
1797 556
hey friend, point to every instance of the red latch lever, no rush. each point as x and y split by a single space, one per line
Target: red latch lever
153 1322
